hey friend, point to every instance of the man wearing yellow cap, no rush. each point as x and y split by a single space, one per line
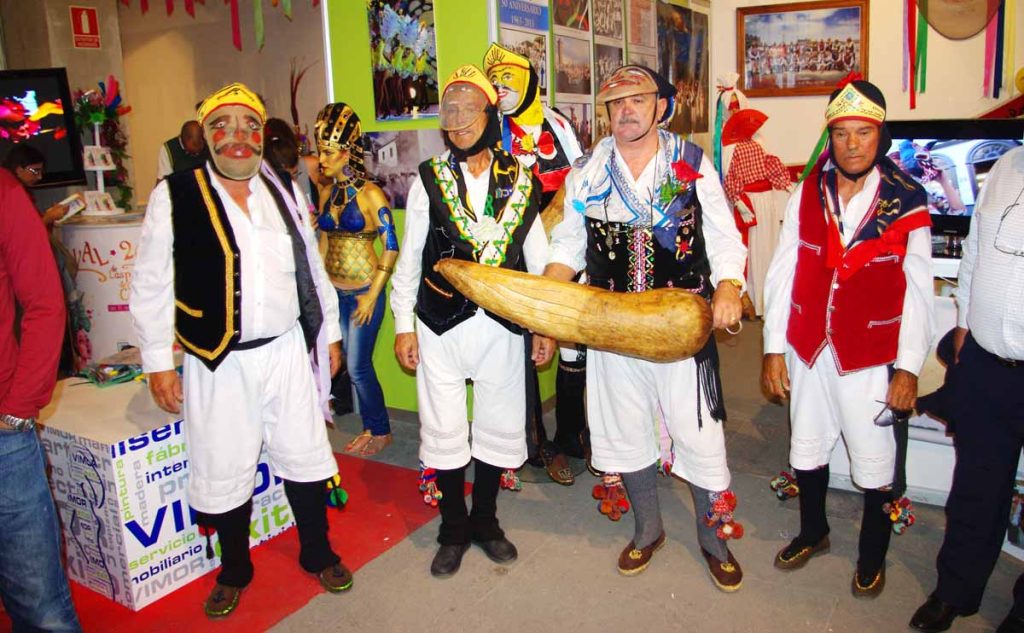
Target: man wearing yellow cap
474 202
848 322
544 141
229 267
646 210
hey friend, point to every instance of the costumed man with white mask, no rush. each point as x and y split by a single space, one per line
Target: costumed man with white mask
848 322
646 210
228 266
544 141
475 202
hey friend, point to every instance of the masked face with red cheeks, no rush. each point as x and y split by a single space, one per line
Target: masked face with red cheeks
234 134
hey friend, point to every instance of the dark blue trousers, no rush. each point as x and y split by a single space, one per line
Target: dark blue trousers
988 411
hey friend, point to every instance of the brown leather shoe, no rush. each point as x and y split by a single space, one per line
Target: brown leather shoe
559 470
222 601
872 590
794 556
632 561
728 576
336 578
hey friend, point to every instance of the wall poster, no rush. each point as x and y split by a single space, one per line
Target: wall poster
683 58
403 51
523 28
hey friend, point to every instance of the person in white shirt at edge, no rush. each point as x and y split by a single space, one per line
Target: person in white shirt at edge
228 265
474 202
987 402
646 210
848 322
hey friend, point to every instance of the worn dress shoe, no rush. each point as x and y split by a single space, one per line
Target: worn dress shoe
933 616
222 601
728 575
447 560
796 555
632 561
867 587
336 578
1012 624
500 550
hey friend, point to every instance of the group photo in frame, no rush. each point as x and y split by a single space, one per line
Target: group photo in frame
800 48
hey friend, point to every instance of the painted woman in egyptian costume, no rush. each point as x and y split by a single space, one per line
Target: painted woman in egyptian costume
354 214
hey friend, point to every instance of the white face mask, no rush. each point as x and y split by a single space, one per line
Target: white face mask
234 134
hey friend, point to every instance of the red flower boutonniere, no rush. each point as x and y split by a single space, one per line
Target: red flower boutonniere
546 146
684 173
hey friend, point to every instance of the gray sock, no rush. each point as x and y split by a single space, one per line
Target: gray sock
706 536
642 487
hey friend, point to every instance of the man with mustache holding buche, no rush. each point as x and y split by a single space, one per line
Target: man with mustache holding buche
229 266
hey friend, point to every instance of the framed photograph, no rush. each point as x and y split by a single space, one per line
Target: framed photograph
581 118
800 48
573 14
608 20
572 67
641 24
607 60
683 56
533 45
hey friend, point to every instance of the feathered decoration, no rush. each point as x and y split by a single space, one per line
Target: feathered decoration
294 79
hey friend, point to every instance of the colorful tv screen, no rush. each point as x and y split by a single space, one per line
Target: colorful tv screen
36 108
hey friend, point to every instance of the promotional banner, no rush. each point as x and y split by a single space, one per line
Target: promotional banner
130 533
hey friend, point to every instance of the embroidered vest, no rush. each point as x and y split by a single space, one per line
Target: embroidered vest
852 299
632 257
456 231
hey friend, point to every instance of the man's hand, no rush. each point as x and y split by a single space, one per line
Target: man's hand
334 353
959 336
407 349
775 376
726 306
902 391
543 349
166 389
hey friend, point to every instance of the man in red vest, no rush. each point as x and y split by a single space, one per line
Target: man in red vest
848 322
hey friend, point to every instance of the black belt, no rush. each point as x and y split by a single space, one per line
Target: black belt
253 344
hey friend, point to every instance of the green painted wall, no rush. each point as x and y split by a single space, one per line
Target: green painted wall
461 27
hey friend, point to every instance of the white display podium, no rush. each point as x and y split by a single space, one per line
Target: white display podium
104 247
119 474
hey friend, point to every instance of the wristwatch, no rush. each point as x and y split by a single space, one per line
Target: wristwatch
735 282
16 423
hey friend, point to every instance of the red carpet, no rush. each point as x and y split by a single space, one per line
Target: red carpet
384 507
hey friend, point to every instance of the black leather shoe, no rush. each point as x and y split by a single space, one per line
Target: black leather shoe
1012 624
499 550
933 616
447 560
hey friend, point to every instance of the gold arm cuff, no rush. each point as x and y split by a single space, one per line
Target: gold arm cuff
386 269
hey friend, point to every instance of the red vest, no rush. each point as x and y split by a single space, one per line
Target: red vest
853 300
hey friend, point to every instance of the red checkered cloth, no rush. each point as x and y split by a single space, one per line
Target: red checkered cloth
751 163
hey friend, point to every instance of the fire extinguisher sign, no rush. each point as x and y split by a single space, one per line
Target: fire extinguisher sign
85 27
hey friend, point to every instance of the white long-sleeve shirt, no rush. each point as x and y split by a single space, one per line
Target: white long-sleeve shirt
918 319
990 297
725 249
406 280
269 300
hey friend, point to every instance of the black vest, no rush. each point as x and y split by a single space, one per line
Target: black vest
182 160
631 258
439 305
207 270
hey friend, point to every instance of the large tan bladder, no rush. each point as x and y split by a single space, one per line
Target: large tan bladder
661 325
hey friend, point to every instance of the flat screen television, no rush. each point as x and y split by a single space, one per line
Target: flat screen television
950 158
36 108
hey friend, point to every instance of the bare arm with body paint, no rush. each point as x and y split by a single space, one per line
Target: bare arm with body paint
371 197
